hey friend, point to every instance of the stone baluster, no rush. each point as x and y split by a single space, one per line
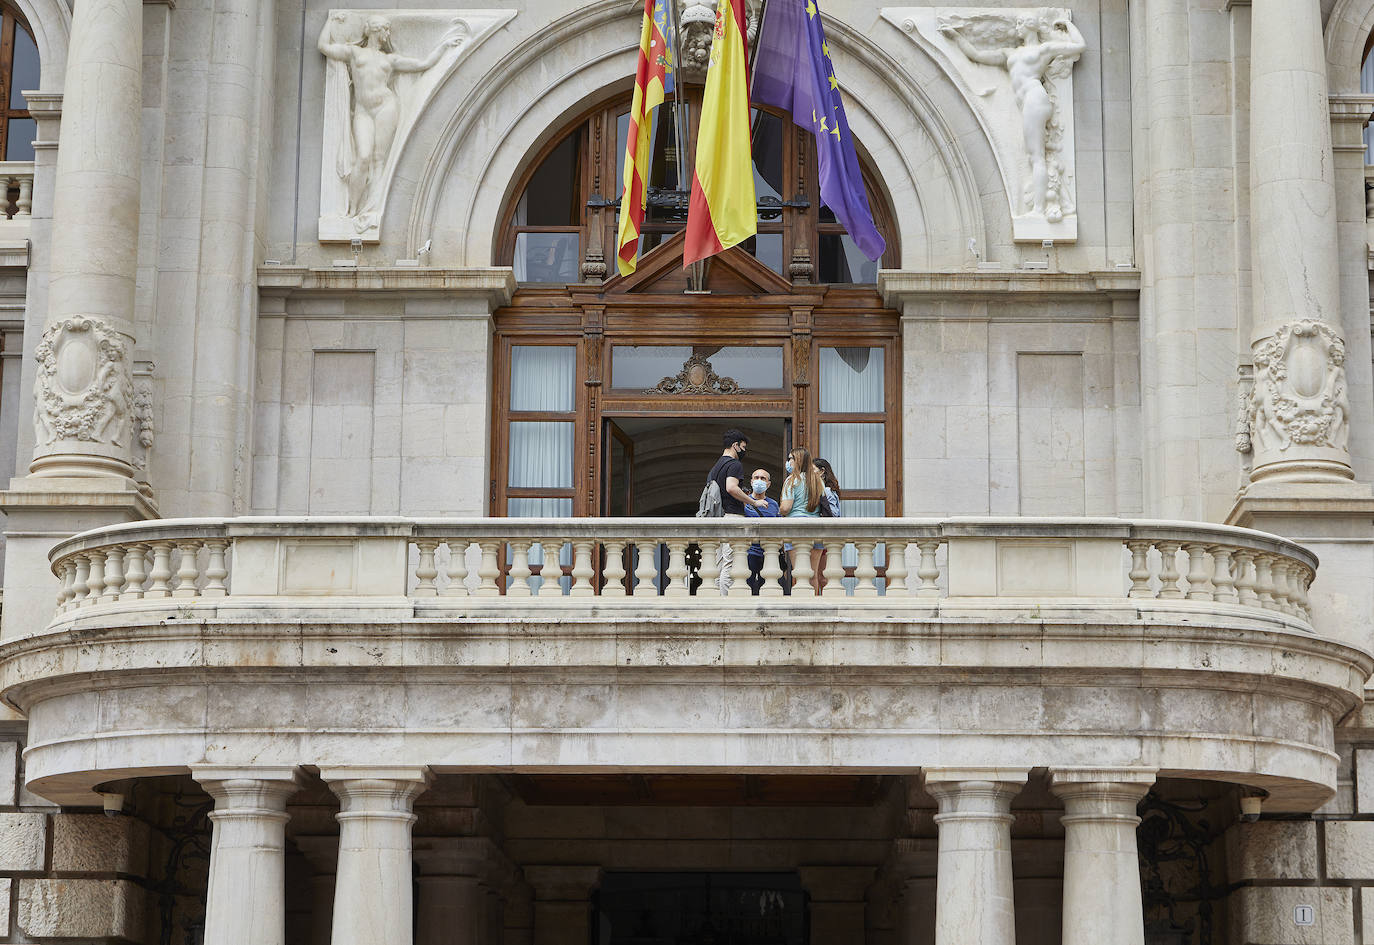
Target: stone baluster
24 203
772 568
188 569
711 568
739 584
95 581
457 570
518 579
1140 569
582 572
929 572
373 890
1223 583
136 563
1245 577
802 572
1264 581
114 574
425 571
896 568
865 572
1168 570
81 582
215 569
66 576
646 569
615 570
1286 578
1102 900
973 887
833 571
1197 571
677 569
488 570
1305 578
246 898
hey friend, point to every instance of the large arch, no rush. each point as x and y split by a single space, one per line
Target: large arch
51 22
1347 32
916 129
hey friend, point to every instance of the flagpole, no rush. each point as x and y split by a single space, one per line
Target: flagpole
679 140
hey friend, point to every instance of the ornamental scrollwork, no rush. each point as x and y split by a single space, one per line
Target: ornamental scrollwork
1300 395
697 377
84 388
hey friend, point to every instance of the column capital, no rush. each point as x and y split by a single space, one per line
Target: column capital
248 791
1123 776
974 792
375 793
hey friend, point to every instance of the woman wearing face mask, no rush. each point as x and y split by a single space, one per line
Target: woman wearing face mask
802 493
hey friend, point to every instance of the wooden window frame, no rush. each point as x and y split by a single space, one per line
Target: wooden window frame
10 20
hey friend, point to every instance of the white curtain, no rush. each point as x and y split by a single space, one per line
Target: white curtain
542 376
852 380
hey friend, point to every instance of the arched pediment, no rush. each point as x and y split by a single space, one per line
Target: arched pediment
490 118
1347 33
51 23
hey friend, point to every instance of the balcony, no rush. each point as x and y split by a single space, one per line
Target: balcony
579 644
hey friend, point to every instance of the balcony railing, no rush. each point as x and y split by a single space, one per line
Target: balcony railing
17 177
671 564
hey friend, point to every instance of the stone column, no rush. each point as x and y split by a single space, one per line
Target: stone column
973 886
458 878
838 901
1102 901
372 897
562 902
83 413
246 898
1300 409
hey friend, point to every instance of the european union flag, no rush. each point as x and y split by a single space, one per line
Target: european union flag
793 72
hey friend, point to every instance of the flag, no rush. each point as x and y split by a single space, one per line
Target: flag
721 211
794 73
653 82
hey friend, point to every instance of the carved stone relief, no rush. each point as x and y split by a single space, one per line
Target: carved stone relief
1015 68
698 23
697 377
383 68
84 389
1300 395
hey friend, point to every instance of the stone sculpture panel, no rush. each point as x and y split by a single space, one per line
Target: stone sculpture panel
383 68
84 388
1015 68
1300 395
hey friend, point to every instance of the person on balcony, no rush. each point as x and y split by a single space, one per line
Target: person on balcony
728 473
760 480
829 507
802 493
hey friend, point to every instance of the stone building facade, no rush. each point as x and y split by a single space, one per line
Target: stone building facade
351 593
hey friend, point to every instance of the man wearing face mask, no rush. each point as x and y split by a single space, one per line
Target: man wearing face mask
728 474
759 481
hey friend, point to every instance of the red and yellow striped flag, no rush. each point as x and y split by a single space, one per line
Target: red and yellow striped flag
653 81
722 212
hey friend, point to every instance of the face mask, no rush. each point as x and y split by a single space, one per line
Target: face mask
760 486
740 450
789 467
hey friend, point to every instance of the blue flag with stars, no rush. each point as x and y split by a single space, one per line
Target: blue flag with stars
793 72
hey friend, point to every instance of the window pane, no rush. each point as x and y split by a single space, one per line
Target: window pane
852 380
841 260
541 455
767 249
855 452
662 151
19 139
769 132
24 72
551 197
538 508
547 257
542 377
643 367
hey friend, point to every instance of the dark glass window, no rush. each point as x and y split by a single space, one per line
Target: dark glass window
19 72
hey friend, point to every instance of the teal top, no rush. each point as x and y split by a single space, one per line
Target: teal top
799 500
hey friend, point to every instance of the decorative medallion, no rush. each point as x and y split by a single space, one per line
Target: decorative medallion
697 377
84 389
1300 392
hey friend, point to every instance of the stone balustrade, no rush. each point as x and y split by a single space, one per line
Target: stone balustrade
18 180
521 562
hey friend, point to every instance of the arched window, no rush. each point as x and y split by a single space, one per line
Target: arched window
563 221
18 73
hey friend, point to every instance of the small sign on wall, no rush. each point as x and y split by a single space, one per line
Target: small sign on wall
1304 915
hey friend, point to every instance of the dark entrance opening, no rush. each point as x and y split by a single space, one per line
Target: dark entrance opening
701 909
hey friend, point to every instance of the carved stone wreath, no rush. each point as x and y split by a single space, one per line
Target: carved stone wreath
84 389
697 377
1300 394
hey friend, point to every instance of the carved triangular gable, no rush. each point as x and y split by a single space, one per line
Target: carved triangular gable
733 272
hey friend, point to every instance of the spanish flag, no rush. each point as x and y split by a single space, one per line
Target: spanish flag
722 212
653 81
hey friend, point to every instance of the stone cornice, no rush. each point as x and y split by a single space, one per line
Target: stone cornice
495 284
1351 107
901 285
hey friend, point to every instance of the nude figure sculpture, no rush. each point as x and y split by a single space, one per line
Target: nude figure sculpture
1033 47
